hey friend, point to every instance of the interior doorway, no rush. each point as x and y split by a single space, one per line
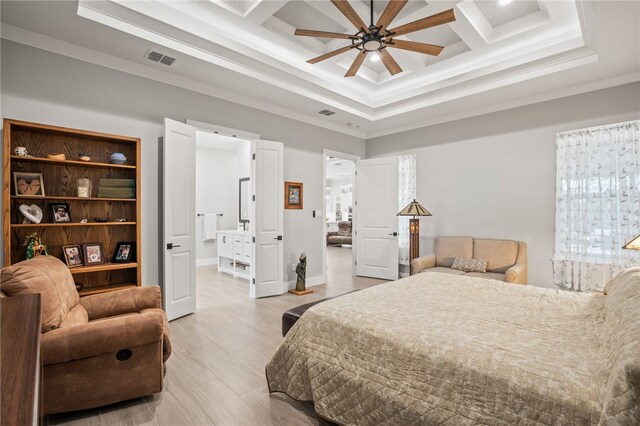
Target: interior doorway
223 170
339 213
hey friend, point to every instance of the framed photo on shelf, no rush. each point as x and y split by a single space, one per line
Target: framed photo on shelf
293 195
72 255
60 212
28 184
93 254
124 253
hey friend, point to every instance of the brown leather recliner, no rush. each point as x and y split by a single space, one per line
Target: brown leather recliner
97 350
342 235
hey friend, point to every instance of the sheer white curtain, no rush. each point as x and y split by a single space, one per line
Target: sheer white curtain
597 204
406 192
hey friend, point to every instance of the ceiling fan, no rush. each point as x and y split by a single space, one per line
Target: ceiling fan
376 38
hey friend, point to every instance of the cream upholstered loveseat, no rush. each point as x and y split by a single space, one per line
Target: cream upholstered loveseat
506 259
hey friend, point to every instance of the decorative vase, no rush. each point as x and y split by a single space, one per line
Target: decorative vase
118 158
84 187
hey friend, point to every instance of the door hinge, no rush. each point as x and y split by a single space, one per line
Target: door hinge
254 156
356 262
253 198
356 233
356 203
356 173
253 280
253 239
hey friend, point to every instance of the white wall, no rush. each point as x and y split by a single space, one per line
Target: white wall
494 175
49 88
216 192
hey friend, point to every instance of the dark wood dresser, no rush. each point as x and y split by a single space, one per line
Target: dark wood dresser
20 359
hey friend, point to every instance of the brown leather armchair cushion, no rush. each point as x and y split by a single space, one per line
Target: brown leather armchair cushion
97 350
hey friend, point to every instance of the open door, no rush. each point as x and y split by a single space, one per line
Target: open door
377 225
267 271
179 227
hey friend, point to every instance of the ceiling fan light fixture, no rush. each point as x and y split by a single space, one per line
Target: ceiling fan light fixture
375 38
371 42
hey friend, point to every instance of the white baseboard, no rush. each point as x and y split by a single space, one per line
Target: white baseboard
207 261
311 281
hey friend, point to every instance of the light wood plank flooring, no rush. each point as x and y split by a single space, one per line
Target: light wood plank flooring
216 372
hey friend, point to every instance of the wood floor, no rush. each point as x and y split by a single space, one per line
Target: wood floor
216 372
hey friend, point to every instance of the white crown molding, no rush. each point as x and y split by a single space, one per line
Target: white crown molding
414 91
39 41
544 97
49 44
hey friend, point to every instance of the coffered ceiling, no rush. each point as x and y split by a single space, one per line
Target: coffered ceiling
245 51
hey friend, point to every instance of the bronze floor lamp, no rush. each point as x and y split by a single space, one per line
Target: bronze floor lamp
414 209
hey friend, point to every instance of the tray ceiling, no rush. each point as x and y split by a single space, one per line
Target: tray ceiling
248 48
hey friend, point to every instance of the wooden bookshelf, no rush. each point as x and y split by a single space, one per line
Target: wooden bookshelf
59 181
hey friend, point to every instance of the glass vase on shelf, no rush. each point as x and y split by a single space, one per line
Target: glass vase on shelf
85 187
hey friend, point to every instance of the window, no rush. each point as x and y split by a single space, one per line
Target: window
597 204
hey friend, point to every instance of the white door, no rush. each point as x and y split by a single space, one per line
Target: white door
267 268
377 223
179 227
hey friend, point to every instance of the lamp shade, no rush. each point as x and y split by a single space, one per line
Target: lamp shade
414 208
634 244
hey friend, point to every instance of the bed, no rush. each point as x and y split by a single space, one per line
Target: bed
442 349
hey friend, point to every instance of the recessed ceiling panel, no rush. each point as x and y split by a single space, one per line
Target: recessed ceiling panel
498 14
379 6
299 14
442 35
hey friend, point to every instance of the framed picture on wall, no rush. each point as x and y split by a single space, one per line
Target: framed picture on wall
293 195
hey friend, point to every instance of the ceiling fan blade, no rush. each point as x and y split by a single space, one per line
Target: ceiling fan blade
390 12
428 22
413 46
389 62
331 54
352 16
355 66
325 34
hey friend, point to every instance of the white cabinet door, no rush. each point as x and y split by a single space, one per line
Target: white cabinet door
246 249
267 272
376 220
179 227
225 245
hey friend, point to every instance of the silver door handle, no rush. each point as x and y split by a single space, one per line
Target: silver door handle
172 246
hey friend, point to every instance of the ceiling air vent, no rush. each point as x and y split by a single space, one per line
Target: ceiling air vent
159 57
167 60
326 112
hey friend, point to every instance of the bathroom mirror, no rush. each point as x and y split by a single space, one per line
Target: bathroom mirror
244 200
